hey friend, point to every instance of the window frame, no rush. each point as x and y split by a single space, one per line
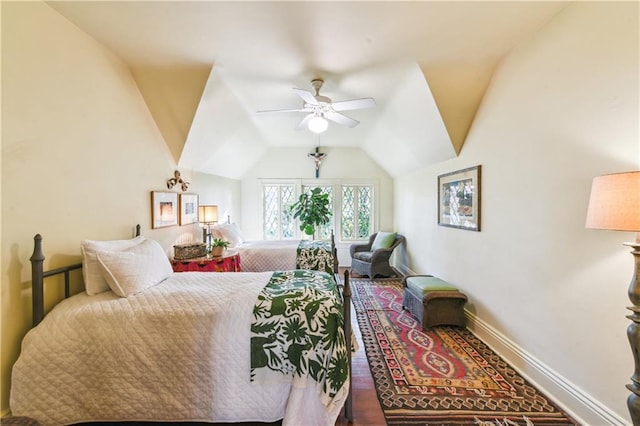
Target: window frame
373 224
280 206
336 188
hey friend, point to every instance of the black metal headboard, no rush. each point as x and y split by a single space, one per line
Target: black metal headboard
38 274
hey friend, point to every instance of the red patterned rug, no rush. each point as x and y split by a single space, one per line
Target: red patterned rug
445 376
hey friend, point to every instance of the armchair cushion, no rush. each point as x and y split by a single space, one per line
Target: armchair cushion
365 256
383 240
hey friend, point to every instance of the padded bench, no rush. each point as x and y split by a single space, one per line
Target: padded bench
433 301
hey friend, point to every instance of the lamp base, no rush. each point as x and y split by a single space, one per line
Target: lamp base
633 334
633 404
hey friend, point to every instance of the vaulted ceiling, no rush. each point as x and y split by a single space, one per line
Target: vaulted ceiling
205 67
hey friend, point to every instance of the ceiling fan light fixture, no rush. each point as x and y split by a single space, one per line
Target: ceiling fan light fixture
318 124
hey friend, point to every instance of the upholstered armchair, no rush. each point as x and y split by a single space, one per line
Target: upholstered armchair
372 259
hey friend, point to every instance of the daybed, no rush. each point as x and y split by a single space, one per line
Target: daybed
191 346
278 255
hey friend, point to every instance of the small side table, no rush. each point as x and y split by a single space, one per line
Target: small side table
228 262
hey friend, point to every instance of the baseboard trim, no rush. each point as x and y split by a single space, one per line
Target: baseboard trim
577 403
403 269
583 407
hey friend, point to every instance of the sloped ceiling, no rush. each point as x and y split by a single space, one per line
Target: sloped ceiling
204 68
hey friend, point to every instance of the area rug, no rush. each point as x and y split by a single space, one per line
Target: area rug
446 376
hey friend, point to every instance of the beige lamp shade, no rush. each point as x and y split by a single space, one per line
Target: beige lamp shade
207 214
615 202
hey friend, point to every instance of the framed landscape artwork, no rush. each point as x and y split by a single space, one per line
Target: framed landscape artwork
188 209
164 209
459 199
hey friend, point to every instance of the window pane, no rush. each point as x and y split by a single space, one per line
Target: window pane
348 216
364 211
288 223
271 202
357 212
278 220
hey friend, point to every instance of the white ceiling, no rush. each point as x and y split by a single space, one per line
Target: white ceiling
259 51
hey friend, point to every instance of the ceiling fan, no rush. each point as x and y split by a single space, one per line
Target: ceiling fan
321 108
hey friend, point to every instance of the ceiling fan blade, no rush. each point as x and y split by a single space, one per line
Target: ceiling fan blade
303 124
341 119
283 110
306 96
354 104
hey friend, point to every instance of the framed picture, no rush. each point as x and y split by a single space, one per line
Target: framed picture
459 199
164 209
188 209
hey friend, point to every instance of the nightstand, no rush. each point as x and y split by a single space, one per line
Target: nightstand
228 262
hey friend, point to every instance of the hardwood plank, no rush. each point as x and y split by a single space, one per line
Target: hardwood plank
366 408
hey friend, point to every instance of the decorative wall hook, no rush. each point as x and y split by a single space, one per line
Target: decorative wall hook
176 179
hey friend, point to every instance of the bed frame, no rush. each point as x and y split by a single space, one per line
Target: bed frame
334 252
38 274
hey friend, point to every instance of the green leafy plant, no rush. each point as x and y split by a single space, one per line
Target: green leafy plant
312 209
219 242
217 247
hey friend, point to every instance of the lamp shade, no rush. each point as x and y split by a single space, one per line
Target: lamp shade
615 202
207 214
318 124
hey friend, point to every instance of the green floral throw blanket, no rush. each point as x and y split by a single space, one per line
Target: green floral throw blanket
315 255
297 332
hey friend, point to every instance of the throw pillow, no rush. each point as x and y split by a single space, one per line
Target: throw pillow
228 232
135 269
94 282
383 240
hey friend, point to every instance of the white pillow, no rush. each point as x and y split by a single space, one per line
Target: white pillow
94 282
135 269
229 232
215 233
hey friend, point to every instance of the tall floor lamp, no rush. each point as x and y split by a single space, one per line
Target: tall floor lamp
206 216
615 205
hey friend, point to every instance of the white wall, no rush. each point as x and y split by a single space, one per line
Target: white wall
346 164
80 156
561 109
219 191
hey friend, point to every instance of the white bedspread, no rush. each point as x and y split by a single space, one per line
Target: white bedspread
178 351
268 255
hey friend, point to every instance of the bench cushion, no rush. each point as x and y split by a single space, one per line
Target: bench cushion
423 285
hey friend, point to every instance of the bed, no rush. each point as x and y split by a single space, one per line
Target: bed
277 255
196 346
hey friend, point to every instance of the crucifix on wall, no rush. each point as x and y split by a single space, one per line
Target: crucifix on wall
317 159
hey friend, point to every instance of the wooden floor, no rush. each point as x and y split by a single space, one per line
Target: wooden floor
366 408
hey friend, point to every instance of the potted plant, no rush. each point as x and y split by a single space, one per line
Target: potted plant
312 209
218 246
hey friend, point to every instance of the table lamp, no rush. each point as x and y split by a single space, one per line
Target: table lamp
614 204
206 216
